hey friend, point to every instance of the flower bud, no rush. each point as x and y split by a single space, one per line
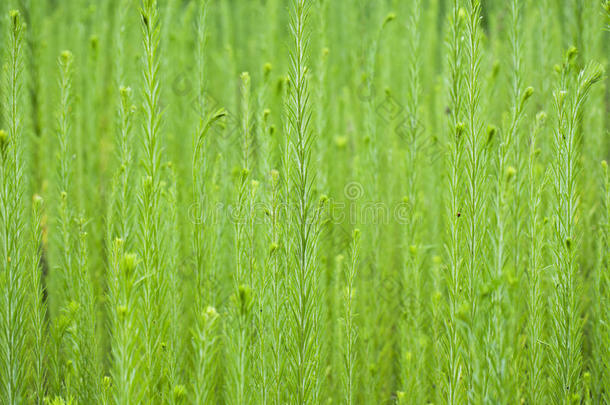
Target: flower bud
462 13
3 140
541 117
107 382
66 57
389 18
459 129
129 262
341 141
38 200
210 314
275 176
526 95
571 54
179 391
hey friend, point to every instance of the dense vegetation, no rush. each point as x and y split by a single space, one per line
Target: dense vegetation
304 202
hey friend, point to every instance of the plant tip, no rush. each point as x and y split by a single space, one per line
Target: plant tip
179 391
210 314
3 140
459 129
125 91
14 14
462 13
527 94
130 261
571 53
275 175
389 18
541 117
66 57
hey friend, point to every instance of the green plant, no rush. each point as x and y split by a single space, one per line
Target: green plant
566 309
475 203
453 368
198 238
351 332
536 381
13 245
151 314
304 226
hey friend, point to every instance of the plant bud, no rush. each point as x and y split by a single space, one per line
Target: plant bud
130 261
341 141
389 18
179 391
245 298
94 41
526 95
210 314
66 57
541 117
125 92
275 176
561 96
3 140
462 13
571 54
15 17
491 132
38 200
459 129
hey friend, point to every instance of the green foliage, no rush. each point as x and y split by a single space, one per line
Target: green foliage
399 202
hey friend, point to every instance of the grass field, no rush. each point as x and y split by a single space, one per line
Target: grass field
304 202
